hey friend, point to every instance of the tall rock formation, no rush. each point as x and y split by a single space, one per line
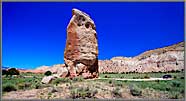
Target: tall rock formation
81 52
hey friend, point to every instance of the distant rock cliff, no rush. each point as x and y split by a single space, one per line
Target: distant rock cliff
165 59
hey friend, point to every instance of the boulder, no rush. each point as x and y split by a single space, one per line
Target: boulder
62 72
81 51
48 79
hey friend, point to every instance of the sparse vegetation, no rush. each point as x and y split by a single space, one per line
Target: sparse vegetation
82 92
9 87
135 91
80 88
60 80
146 76
79 79
139 75
176 84
21 82
116 92
24 86
182 77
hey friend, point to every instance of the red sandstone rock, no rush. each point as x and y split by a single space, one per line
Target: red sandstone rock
81 51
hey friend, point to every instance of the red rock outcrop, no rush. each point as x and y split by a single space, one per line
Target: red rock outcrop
81 51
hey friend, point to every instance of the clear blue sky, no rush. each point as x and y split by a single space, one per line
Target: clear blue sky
34 34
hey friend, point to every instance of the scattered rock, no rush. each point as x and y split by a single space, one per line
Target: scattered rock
48 79
62 72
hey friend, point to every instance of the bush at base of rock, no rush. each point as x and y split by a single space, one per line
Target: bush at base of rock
79 78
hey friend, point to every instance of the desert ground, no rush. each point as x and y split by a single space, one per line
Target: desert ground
107 86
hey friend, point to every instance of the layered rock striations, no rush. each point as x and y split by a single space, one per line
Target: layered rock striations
165 59
81 51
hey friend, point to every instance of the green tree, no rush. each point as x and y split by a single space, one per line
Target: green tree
4 72
13 71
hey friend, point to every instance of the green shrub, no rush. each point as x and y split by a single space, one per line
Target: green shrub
122 77
9 87
175 95
21 86
157 81
38 86
176 84
106 76
24 86
110 81
48 73
49 95
116 92
135 91
79 79
146 76
182 77
60 80
118 83
182 91
168 88
136 77
82 92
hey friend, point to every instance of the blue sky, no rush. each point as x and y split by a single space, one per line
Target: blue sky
34 34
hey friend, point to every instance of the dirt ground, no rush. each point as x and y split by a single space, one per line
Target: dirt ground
64 91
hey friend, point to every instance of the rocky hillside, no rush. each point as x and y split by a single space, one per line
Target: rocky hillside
165 59
169 58
43 69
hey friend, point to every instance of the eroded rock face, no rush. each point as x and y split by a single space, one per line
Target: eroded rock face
81 52
165 59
